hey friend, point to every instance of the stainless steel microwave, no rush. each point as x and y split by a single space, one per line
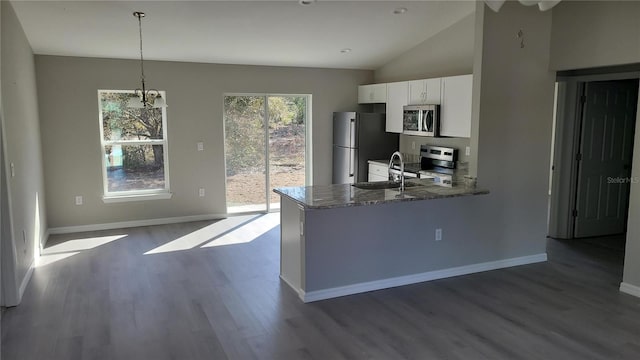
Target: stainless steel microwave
421 120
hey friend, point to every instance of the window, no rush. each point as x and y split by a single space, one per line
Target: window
134 148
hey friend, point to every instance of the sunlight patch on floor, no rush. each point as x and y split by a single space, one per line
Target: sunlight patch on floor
248 232
201 236
44 260
80 244
69 248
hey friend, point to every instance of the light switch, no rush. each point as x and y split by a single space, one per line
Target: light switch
200 146
78 200
201 192
468 151
13 170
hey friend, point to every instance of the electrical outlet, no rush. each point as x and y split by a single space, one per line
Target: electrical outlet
413 145
78 200
438 234
467 150
201 192
200 146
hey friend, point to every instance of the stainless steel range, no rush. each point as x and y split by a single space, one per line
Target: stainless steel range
436 162
439 163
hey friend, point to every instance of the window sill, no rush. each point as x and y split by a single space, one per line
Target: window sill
137 197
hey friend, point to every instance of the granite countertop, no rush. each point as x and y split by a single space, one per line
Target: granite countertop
343 195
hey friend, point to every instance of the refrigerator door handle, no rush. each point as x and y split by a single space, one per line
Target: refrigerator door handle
352 132
352 158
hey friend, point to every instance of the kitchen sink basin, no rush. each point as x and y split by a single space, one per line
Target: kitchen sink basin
382 185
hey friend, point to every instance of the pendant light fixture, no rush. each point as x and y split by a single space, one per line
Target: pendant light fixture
144 98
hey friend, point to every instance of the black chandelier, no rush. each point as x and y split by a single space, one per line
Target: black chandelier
145 98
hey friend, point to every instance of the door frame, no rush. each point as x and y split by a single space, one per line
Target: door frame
566 144
9 292
308 152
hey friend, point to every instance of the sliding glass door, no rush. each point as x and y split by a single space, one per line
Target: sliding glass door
245 143
265 147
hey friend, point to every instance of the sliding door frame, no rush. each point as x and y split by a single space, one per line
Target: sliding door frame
308 168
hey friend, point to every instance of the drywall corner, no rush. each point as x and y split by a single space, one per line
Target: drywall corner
631 274
24 219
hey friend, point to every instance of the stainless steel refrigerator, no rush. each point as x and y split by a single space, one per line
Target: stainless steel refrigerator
357 138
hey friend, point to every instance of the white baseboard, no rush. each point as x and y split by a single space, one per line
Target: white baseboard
630 289
25 281
417 278
298 291
135 223
43 244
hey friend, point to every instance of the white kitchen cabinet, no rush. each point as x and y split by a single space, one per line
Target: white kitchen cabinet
378 172
455 106
397 93
426 91
372 94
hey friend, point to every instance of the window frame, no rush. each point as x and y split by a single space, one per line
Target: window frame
133 195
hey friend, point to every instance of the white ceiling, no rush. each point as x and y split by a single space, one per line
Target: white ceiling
281 33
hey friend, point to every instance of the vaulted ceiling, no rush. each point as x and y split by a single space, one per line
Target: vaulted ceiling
283 33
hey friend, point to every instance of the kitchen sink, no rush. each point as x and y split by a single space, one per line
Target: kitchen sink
382 185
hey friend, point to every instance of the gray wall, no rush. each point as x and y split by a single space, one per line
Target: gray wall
3 184
514 124
595 33
22 144
67 89
448 53
632 252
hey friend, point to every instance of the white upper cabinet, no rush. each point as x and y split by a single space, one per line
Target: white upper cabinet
452 93
425 91
455 106
372 94
397 94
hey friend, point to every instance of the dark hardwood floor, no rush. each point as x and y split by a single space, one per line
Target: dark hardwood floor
207 290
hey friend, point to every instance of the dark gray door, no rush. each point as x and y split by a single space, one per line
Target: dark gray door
606 147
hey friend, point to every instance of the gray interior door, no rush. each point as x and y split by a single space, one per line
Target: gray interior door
608 123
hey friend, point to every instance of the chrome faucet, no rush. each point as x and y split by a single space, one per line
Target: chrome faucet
393 176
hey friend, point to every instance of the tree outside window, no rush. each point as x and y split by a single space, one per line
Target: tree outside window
134 143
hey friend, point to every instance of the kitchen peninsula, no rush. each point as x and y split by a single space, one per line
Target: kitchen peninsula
341 239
